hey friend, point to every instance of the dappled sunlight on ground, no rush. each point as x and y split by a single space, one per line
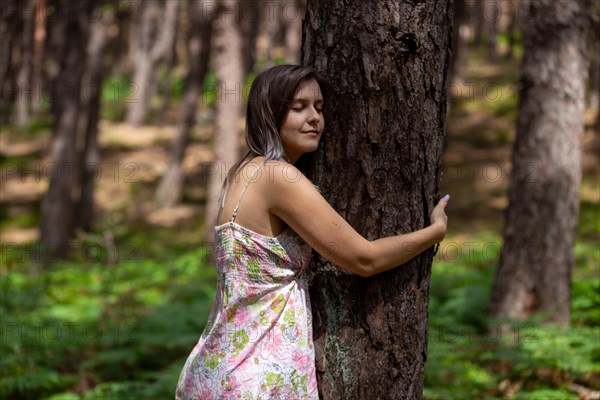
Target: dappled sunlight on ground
132 162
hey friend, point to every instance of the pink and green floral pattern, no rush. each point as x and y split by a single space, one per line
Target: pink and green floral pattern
257 343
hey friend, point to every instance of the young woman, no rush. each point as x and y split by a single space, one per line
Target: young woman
257 343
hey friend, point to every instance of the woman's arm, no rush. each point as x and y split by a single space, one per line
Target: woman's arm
294 199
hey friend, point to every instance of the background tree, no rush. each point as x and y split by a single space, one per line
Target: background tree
89 163
198 47
459 44
249 26
24 74
68 35
154 40
229 69
10 30
292 13
379 167
534 274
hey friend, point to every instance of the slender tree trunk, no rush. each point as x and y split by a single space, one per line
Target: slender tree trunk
39 37
134 19
156 34
292 16
513 8
229 69
69 31
24 86
171 185
9 29
459 50
492 12
534 274
249 24
594 89
272 25
170 61
477 9
90 158
379 166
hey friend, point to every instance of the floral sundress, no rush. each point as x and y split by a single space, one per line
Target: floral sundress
257 343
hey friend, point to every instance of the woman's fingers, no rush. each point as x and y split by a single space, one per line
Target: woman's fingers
444 201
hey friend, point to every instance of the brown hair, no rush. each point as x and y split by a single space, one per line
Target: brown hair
269 101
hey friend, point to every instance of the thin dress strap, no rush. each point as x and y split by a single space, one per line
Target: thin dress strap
235 210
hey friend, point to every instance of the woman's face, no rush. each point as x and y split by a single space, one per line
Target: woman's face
303 124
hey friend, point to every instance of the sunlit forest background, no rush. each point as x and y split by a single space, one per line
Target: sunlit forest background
122 111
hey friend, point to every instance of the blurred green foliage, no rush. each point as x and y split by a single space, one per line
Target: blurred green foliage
117 91
470 356
121 330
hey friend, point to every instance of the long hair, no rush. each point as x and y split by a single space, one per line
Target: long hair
269 101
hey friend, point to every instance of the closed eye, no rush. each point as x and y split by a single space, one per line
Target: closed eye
300 104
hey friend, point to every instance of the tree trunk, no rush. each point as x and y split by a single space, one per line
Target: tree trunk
478 18
513 8
171 185
24 86
272 11
534 272
229 69
38 48
492 13
170 61
459 50
156 34
69 28
9 29
90 159
292 16
388 63
249 24
594 89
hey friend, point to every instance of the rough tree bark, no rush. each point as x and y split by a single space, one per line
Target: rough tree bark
171 185
229 69
379 167
534 272
68 31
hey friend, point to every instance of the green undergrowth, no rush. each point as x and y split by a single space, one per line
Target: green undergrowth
92 331
470 355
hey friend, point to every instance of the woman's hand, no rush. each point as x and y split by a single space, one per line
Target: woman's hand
438 217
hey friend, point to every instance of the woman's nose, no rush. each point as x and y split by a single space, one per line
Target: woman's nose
314 116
